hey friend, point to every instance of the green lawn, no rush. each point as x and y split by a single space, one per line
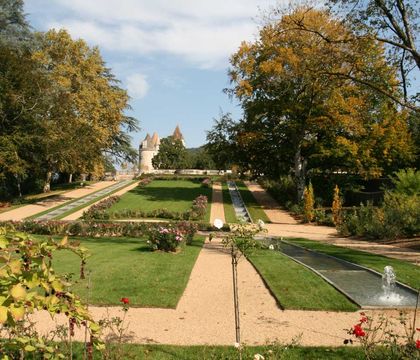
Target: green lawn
406 272
125 267
171 352
254 209
295 286
174 195
230 216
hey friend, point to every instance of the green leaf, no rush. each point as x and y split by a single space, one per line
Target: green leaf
30 348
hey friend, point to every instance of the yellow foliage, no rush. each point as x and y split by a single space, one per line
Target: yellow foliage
308 203
336 207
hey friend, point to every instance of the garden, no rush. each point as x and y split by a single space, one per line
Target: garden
158 198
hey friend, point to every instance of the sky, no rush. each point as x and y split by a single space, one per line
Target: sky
172 56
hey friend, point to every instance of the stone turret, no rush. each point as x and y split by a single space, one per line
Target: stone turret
149 147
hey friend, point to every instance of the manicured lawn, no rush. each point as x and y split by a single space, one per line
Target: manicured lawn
406 272
295 286
125 267
174 195
230 216
255 209
170 352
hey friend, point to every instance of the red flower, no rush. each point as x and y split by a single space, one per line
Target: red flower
125 301
358 331
418 344
363 319
418 329
362 313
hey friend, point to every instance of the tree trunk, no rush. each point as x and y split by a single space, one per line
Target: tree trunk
70 178
300 173
18 185
47 184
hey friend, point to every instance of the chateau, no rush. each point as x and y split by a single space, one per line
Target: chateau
149 147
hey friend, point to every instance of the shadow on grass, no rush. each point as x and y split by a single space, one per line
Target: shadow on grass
177 193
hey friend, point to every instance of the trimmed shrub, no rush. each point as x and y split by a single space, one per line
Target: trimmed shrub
308 203
336 207
206 183
165 238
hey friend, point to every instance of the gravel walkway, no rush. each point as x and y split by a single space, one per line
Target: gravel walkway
77 214
217 211
33 209
204 314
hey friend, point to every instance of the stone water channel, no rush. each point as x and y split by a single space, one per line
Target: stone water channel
238 204
363 286
82 201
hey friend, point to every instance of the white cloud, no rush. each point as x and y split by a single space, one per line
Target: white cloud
137 86
201 32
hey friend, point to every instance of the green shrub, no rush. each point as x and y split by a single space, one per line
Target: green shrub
321 217
166 238
397 217
283 190
407 182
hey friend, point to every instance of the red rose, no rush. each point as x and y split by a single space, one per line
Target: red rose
358 331
125 301
418 344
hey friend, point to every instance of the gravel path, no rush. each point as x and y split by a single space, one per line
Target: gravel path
77 214
84 200
204 314
217 211
33 209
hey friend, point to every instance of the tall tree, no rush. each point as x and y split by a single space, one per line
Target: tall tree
394 23
85 106
297 107
13 25
171 155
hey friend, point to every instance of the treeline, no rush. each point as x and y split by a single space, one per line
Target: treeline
61 108
322 97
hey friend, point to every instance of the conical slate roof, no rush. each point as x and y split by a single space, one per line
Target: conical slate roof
177 134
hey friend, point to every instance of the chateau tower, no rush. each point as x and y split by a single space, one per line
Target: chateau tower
149 147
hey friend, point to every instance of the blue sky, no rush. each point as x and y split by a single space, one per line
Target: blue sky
171 55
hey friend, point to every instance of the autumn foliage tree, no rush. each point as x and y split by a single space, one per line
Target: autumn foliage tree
302 115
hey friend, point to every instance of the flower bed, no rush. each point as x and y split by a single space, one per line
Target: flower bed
97 229
197 212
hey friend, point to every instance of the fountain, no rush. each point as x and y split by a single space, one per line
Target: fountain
365 287
389 295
